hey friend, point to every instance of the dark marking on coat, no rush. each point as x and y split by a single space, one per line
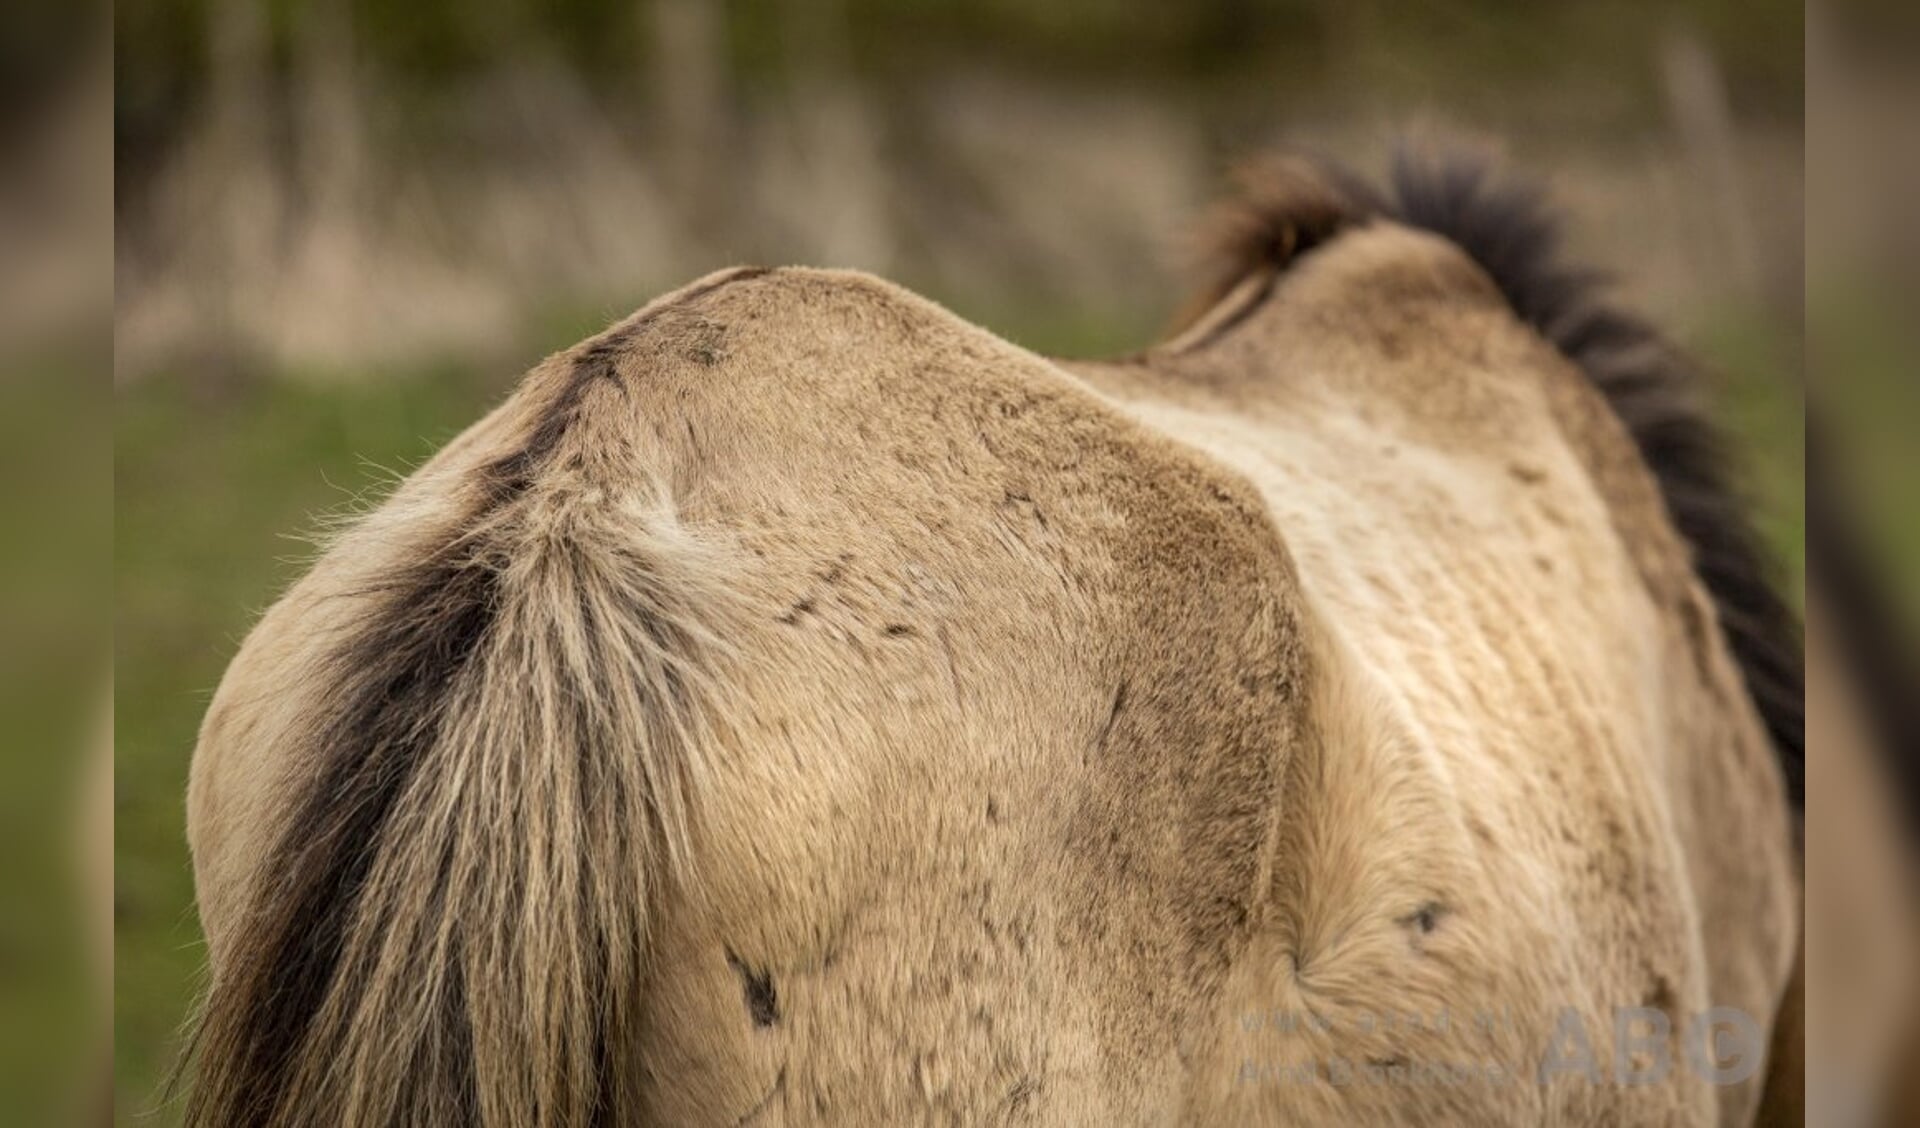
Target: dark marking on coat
801 606
1660 995
1113 715
1021 1094
594 362
1425 919
763 1002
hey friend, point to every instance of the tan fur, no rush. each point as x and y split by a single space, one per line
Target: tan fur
1056 720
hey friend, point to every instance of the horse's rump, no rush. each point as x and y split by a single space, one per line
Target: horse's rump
796 698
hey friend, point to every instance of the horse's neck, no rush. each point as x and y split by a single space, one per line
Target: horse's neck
1450 570
1476 691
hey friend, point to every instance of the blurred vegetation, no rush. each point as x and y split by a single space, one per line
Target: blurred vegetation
302 181
1235 58
56 619
1868 351
54 699
1236 47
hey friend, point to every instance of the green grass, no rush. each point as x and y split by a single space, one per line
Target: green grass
1867 348
212 487
54 629
214 484
1753 364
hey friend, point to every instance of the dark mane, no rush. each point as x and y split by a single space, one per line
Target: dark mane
1507 227
1282 207
1285 207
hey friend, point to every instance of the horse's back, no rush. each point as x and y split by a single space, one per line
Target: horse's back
1321 696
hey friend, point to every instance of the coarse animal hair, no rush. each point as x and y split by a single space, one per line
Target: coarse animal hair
453 925
1283 206
1024 720
1286 206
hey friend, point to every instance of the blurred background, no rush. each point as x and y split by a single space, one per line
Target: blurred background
1863 582
56 536
342 229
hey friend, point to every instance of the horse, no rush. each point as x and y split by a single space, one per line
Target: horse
1369 704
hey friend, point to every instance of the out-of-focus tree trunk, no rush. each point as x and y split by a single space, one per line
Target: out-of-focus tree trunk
845 183
246 213
329 239
1697 98
332 146
56 210
689 66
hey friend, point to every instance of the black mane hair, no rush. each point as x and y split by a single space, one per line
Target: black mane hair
1507 226
1285 208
